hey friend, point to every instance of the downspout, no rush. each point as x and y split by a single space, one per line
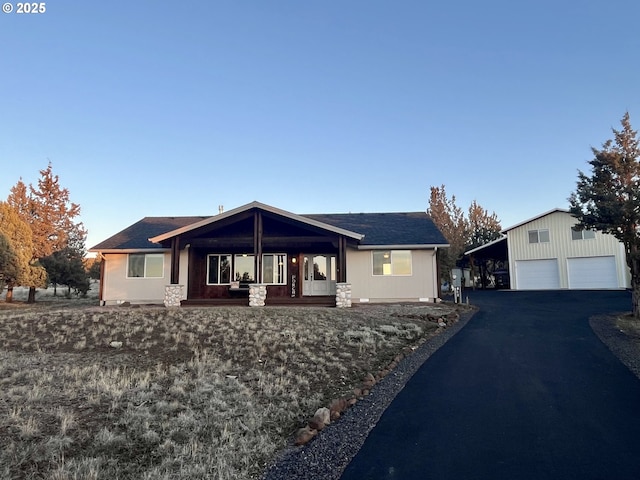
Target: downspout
437 273
103 262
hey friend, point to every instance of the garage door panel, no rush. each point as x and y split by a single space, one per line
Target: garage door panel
537 274
592 272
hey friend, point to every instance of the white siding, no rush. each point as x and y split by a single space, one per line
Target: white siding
118 288
420 285
561 247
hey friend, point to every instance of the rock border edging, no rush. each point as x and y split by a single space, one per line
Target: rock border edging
326 457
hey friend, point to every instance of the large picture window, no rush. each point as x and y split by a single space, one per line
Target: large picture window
274 268
392 262
145 265
218 269
245 268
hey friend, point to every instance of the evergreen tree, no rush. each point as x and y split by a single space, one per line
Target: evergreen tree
19 238
609 198
50 215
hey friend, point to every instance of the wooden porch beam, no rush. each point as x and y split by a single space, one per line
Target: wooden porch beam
342 259
175 260
257 244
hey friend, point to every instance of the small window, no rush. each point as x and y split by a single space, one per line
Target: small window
274 268
539 236
582 234
145 265
245 268
218 269
392 262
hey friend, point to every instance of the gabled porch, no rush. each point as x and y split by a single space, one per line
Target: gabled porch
293 260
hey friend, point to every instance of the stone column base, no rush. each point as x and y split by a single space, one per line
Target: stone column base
343 295
173 295
257 294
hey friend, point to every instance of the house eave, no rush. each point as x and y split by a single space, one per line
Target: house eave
261 206
423 246
128 250
482 247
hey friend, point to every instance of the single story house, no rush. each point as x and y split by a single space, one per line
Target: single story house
258 254
547 252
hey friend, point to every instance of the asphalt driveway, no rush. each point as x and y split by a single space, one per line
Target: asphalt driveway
525 391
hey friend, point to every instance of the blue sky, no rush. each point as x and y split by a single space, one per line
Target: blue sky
172 108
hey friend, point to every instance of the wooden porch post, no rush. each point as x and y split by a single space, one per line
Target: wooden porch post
257 244
175 260
342 259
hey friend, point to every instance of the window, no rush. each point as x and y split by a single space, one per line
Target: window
539 236
218 269
274 268
145 265
392 262
245 268
582 234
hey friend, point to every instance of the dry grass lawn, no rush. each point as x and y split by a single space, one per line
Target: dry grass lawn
192 393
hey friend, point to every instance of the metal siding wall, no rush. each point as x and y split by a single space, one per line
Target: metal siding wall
561 246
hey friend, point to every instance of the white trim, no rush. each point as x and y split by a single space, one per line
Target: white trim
275 266
230 255
430 246
562 210
131 250
144 267
492 242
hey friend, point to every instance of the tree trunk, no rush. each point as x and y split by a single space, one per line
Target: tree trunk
32 295
9 297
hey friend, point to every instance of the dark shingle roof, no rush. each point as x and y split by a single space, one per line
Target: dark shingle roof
413 228
137 235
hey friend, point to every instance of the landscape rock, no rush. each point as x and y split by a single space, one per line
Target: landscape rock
115 344
304 435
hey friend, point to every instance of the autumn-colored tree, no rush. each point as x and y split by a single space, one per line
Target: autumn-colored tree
609 198
483 227
449 218
50 215
462 233
18 235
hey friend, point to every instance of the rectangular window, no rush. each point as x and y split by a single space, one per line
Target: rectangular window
218 269
245 268
274 268
392 262
145 265
539 236
582 234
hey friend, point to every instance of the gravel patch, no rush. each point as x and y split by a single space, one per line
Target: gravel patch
621 345
329 453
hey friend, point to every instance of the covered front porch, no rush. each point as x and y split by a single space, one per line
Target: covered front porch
260 252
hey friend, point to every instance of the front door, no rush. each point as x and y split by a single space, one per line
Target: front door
319 275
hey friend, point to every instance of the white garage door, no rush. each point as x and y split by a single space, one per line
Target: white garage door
592 272
537 274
